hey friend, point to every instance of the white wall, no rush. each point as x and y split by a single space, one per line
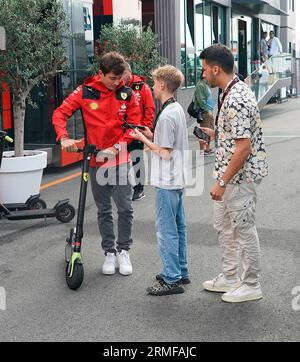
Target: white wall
127 9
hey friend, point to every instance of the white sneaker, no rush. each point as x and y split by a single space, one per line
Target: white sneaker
110 264
221 284
125 267
243 293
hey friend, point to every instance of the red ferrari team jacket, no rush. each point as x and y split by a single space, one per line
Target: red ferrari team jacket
103 112
144 97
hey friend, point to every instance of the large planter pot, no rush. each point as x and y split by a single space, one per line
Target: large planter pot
20 177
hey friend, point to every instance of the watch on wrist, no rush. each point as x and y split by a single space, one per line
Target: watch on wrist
117 146
222 183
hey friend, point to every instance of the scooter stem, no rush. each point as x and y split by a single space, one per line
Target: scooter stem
88 152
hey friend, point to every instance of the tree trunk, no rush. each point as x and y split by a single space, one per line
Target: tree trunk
19 120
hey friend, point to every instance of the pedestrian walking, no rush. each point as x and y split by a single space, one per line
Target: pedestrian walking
204 100
168 172
263 80
104 101
239 168
144 98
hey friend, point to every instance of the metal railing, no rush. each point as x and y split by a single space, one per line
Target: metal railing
265 77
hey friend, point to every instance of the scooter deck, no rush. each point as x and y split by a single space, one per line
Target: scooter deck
30 214
16 206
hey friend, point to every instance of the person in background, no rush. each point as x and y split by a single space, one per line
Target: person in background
204 100
144 98
264 48
263 80
274 44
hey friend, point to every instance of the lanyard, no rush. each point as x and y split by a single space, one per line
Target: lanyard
232 83
165 105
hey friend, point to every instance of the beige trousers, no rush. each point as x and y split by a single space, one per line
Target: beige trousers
234 221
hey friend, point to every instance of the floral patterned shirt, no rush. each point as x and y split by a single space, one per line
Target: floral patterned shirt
239 118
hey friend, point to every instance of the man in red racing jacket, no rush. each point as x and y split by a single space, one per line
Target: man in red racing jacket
144 97
105 101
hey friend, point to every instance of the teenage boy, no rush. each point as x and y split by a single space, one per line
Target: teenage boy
170 143
105 101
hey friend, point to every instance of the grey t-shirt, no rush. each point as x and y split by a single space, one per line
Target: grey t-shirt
171 132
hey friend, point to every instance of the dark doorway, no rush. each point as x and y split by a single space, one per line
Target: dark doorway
243 48
148 14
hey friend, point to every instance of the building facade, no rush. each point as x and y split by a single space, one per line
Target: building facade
236 23
184 28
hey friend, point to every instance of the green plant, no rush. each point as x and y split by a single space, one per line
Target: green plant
139 45
35 51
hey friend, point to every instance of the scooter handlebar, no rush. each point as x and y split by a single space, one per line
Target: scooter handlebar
8 139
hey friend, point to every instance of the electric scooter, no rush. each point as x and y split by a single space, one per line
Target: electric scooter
32 203
63 211
73 258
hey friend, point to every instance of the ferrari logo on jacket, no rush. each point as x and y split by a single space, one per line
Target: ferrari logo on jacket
124 96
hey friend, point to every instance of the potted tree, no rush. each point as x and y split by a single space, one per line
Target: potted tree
34 53
139 45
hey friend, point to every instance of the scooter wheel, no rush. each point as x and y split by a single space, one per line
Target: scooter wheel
65 213
75 281
37 205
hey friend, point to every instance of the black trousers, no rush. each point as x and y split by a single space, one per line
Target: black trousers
136 149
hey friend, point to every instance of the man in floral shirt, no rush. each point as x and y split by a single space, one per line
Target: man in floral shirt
240 166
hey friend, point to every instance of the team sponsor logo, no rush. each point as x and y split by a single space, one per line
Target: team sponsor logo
94 106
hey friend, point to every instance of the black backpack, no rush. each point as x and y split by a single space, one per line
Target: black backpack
195 112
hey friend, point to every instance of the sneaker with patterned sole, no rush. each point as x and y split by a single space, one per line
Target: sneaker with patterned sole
182 280
161 288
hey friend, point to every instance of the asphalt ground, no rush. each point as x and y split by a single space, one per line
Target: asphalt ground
40 307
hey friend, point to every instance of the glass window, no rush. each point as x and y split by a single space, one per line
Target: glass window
207 24
199 41
218 25
222 25
235 39
188 41
190 44
182 37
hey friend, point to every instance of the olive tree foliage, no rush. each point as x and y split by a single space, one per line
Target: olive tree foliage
139 45
35 51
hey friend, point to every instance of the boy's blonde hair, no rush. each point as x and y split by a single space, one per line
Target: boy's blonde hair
171 76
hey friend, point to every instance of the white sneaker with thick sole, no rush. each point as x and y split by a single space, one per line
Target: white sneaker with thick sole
221 284
243 293
125 267
110 264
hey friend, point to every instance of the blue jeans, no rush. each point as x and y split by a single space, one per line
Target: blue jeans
171 234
